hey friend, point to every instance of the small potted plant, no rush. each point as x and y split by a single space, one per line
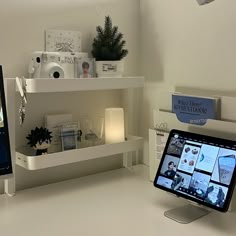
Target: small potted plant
40 140
108 50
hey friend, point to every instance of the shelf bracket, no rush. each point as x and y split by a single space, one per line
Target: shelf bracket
9 187
132 120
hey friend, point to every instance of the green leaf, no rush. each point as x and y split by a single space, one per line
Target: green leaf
108 44
100 32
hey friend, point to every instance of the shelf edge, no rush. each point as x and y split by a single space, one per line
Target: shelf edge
85 154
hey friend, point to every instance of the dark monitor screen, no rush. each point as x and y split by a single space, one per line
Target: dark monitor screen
5 151
199 168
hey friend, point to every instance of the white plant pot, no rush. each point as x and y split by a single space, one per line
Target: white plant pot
110 68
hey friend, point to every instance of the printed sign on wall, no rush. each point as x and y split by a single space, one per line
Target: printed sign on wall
194 110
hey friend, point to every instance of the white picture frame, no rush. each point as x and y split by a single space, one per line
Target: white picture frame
68 138
85 68
54 122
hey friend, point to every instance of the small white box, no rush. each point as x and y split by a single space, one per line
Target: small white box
63 41
157 143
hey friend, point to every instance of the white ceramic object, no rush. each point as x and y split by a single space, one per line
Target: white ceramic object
109 68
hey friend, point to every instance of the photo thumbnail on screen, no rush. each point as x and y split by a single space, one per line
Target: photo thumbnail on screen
169 166
199 184
216 195
189 157
176 146
181 181
224 166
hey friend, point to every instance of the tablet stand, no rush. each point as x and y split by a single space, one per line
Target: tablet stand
186 214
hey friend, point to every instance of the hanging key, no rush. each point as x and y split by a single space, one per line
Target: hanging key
21 84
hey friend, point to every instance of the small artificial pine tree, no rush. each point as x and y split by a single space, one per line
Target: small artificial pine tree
108 45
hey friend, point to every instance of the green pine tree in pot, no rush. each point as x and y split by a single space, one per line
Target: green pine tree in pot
109 50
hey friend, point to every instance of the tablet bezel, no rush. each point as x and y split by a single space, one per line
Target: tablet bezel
7 173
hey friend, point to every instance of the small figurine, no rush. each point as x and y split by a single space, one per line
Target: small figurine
40 140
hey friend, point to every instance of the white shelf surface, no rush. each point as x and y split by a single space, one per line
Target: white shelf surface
67 157
70 85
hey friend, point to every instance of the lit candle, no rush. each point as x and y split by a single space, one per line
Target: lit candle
114 125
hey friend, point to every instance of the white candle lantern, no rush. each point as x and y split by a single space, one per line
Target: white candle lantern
114 125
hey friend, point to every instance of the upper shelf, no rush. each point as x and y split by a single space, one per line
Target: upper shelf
70 85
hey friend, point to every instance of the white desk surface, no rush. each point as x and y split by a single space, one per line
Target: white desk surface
116 203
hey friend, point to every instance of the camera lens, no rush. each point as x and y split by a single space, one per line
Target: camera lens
38 59
56 75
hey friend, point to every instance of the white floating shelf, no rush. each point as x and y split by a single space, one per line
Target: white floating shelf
61 158
70 85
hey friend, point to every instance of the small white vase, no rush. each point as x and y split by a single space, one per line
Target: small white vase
110 68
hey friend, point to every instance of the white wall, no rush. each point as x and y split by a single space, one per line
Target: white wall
22 25
184 44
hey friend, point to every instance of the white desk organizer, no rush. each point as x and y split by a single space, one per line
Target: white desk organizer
129 148
225 128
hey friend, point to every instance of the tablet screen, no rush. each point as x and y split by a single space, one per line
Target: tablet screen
5 151
199 168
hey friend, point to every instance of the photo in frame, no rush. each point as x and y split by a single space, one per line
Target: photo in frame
68 137
85 68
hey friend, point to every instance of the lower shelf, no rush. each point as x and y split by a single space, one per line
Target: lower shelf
67 157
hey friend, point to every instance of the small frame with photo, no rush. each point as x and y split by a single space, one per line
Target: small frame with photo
70 136
85 68
68 139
